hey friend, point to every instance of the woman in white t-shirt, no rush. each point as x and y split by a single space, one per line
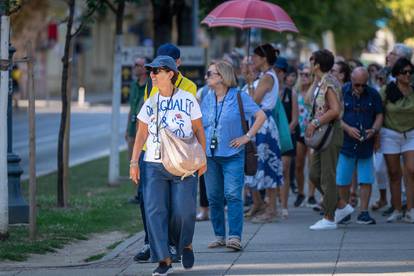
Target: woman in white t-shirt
170 202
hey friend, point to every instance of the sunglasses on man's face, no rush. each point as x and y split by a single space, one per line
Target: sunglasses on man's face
305 75
406 72
156 70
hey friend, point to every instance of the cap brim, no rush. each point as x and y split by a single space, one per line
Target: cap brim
152 65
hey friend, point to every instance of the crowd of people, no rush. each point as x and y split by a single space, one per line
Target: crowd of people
363 114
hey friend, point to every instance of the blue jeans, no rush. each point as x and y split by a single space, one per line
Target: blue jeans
170 208
224 180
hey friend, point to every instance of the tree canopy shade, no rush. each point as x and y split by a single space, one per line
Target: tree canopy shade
401 18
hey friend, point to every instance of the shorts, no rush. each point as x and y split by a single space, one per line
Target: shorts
301 139
394 142
346 166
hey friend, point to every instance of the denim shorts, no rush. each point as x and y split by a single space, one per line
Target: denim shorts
393 142
346 166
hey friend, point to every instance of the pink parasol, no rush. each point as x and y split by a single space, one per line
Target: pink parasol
246 14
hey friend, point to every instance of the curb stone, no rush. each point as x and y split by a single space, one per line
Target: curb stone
108 257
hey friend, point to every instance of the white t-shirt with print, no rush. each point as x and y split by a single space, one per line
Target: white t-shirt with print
176 115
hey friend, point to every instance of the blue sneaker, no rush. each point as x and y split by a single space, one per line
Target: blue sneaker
187 259
346 220
162 269
365 218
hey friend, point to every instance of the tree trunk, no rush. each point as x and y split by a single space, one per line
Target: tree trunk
4 93
32 144
162 22
184 19
113 175
64 127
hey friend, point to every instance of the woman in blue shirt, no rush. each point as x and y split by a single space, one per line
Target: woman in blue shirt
225 151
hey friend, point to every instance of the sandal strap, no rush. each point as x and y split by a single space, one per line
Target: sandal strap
217 243
234 243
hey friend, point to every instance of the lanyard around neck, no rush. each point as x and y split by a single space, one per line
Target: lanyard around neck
217 119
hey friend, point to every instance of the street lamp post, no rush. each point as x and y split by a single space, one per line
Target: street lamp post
18 208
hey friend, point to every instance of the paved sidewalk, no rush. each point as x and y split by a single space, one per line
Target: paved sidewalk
283 248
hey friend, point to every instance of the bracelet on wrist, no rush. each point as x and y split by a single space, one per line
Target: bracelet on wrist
248 136
133 163
316 123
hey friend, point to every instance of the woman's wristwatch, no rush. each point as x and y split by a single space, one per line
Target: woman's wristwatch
249 136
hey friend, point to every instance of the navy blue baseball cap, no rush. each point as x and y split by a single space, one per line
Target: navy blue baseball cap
170 50
281 63
164 62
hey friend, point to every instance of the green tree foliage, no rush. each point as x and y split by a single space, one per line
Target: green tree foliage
352 21
8 7
401 20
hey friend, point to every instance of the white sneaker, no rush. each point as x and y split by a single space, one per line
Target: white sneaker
323 224
395 216
340 214
409 216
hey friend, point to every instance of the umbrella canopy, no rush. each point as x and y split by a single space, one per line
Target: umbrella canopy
246 14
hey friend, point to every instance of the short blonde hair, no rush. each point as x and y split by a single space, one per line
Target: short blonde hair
226 71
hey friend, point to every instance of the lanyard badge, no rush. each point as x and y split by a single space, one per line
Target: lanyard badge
157 154
214 140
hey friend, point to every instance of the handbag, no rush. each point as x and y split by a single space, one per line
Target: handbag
322 136
250 157
285 139
181 156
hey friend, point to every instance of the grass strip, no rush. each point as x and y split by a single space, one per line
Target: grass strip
94 207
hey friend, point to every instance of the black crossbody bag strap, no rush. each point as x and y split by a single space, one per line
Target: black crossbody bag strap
244 124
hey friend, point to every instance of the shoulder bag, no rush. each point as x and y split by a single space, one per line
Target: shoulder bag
322 136
285 139
250 158
181 156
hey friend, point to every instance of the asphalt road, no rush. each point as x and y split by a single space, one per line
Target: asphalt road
89 136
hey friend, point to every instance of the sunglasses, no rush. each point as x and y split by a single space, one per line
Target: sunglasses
304 75
406 72
156 70
363 85
209 74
